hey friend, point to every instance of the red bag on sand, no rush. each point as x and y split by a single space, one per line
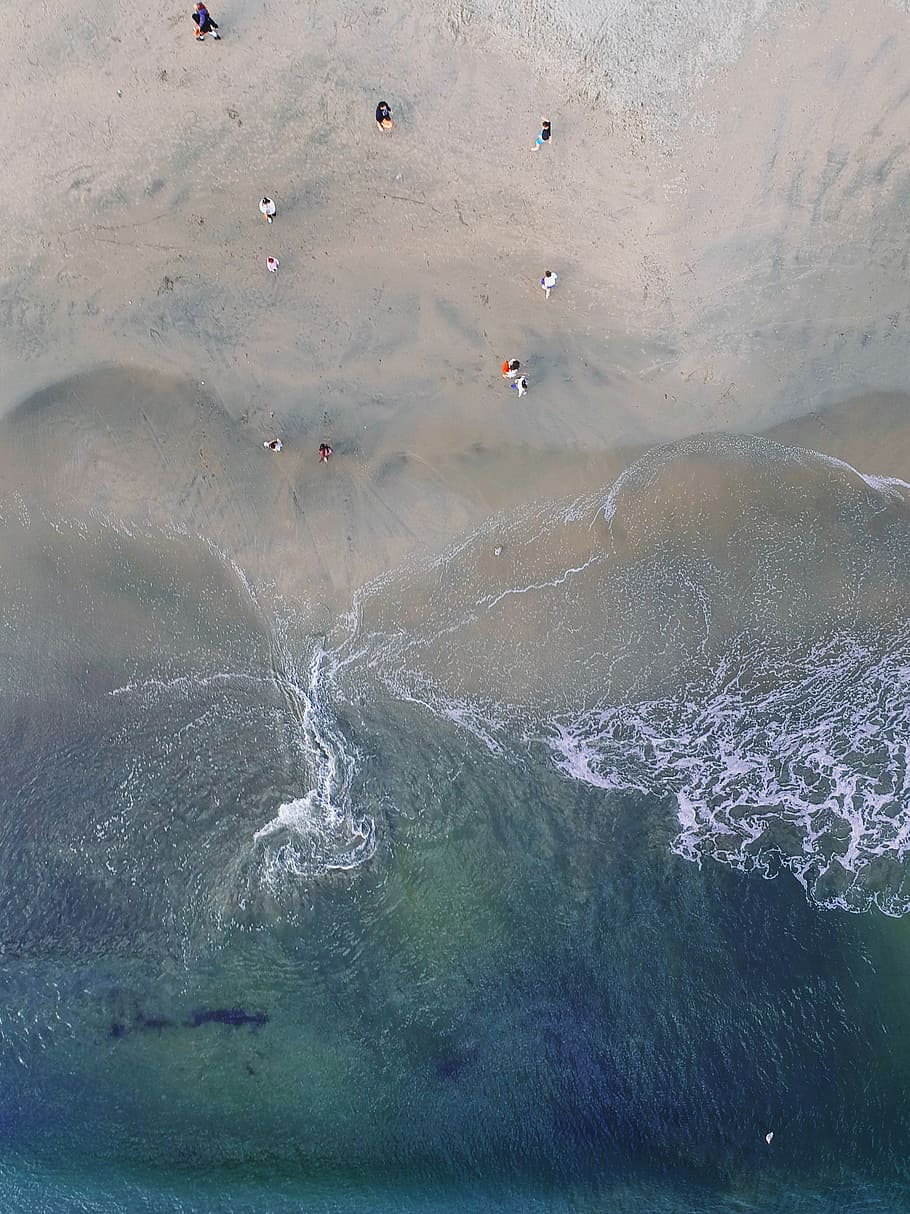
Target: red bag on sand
505 367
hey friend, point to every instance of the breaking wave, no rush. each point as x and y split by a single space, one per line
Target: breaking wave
803 767
724 629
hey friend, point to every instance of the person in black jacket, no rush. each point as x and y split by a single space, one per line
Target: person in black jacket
546 134
203 22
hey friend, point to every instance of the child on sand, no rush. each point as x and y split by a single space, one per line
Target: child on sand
204 24
268 209
384 116
520 385
325 451
546 134
272 263
549 281
510 368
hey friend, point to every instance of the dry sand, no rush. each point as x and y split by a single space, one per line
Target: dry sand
725 202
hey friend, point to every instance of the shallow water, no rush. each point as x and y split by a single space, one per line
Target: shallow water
466 904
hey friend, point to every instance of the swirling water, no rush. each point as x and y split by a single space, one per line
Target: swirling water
463 906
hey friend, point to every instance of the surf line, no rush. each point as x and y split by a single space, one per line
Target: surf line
492 601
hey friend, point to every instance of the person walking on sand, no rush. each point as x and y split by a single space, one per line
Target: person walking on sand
204 24
268 209
546 134
520 385
510 368
548 282
384 116
325 453
272 263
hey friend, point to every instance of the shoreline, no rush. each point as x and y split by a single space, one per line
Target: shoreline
147 450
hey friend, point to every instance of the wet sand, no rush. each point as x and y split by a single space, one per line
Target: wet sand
730 245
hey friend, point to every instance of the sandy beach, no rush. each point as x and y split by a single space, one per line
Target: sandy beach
512 813
729 239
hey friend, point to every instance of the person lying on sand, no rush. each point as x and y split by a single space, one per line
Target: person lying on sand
272 263
274 444
384 116
204 24
510 368
268 209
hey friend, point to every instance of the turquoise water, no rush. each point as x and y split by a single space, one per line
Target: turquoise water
549 880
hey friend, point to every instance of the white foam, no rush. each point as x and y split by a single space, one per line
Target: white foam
185 684
306 840
476 718
319 832
798 764
808 772
490 601
641 474
891 488
581 761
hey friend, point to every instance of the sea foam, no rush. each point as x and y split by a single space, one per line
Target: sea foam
774 765
319 832
724 627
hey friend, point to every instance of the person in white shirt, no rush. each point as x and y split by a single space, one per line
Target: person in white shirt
268 209
272 263
510 368
520 385
549 281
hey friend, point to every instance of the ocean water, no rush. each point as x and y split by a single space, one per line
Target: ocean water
562 870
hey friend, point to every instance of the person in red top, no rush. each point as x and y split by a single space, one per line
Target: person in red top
325 451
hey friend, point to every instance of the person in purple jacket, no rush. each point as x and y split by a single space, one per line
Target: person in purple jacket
204 24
